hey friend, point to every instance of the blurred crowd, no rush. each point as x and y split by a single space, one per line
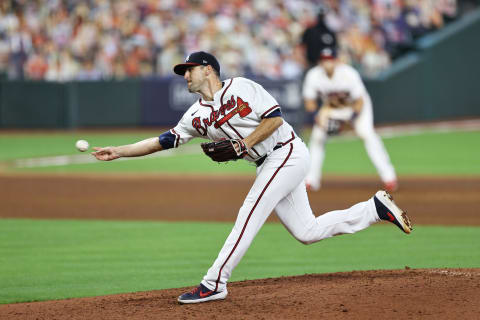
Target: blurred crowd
68 40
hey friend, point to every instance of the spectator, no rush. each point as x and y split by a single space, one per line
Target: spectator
36 67
20 43
88 72
62 67
141 38
317 37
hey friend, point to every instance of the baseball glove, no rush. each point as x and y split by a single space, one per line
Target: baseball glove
334 126
225 150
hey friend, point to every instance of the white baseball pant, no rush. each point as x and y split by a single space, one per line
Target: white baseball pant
280 186
363 127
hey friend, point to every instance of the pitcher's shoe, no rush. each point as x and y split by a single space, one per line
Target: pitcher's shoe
202 294
391 186
311 187
389 211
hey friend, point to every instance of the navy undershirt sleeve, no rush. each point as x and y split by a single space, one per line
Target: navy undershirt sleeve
276 113
167 140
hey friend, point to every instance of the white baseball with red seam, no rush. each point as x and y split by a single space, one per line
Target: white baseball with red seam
82 145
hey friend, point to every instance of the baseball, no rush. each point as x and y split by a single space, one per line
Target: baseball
82 145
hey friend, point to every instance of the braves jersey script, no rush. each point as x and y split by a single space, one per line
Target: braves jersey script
236 110
345 83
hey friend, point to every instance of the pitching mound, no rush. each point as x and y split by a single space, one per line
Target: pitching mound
388 294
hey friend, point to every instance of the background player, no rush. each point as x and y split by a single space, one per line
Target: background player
241 109
344 100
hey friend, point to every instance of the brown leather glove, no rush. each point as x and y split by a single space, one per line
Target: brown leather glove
225 150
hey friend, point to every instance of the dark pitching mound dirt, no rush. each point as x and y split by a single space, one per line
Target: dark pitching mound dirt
398 294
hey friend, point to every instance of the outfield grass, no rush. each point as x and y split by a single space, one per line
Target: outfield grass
23 145
451 153
56 259
434 153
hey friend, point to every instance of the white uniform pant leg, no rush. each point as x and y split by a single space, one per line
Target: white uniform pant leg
374 146
281 172
317 156
296 215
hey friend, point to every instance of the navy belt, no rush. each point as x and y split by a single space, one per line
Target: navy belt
260 161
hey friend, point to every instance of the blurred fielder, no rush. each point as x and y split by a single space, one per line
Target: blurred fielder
245 122
345 101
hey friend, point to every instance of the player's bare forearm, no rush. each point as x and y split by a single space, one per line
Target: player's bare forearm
310 105
322 117
264 130
137 149
140 148
358 105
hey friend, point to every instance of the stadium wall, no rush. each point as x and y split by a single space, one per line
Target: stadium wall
438 80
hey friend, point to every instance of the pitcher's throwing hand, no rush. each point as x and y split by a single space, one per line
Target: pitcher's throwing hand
105 154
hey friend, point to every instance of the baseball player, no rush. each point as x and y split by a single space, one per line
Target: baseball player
245 122
345 101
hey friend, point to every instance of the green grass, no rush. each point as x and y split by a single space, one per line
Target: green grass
183 163
56 259
429 153
22 145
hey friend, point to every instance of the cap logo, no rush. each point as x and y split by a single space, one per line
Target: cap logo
327 38
327 52
204 61
188 58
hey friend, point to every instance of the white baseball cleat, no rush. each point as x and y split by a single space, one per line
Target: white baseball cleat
312 187
387 210
391 186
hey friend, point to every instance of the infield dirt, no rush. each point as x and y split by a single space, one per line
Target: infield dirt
397 294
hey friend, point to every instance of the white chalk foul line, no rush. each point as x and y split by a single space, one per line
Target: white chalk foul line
88 158
454 273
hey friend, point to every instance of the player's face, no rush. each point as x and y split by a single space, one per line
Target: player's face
195 77
328 65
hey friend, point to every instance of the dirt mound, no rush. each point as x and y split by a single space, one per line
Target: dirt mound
386 294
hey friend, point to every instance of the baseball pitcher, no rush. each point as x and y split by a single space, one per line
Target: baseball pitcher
345 102
245 122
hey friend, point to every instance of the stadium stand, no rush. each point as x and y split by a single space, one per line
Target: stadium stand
114 39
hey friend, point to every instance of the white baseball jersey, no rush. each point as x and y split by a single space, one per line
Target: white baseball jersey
346 81
236 110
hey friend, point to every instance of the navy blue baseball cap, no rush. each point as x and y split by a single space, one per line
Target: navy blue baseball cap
328 53
199 58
